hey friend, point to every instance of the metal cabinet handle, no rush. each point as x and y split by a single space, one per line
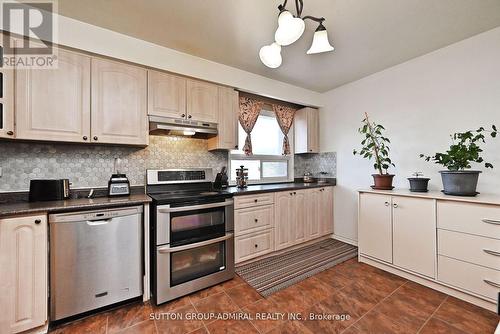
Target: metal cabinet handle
169 249
183 115
196 207
491 221
96 138
189 116
37 221
386 203
394 205
487 251
291 194
295 193
85 137
496 285
10 133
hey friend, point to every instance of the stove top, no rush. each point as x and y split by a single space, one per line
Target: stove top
181 196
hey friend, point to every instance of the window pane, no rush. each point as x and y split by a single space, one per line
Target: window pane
267 138
274 169
252 165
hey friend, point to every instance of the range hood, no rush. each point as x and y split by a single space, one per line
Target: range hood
181 127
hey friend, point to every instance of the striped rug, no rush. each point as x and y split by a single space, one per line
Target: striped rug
275 273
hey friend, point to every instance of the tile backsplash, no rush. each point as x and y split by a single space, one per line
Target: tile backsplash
316 163
92 165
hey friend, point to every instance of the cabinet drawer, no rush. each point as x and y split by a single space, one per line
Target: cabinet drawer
466 247
253 245
247 201
479 219
479 280
251 219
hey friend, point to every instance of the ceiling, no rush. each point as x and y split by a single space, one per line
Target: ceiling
368 35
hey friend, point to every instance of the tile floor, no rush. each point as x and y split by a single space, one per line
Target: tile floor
376 302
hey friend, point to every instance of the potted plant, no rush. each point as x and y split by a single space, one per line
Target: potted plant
375 146
418 184
459 179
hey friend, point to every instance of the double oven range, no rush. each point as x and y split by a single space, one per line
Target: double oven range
192 239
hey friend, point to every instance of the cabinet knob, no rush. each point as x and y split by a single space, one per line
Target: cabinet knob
291 194
256 246
96 138
37 221
395 205
183 115
236 146
85 138
256 220
10 133
295 193
255 200
189 116
310 150
386 203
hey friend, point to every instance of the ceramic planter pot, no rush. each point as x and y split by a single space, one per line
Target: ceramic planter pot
419 184
460 183
382 182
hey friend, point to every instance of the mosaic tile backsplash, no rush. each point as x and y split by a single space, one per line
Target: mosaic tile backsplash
316 163
91 166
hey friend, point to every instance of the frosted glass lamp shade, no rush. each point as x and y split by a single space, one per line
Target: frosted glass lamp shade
320 42
289 28
270 55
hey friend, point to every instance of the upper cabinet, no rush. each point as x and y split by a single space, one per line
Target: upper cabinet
227 119
166 95
54 104
6 100
307 130
202 101
119 95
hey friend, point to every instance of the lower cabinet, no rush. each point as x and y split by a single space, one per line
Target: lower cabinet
254 244
23 259
398 230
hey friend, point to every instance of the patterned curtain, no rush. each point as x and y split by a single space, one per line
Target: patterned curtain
284 116
249 112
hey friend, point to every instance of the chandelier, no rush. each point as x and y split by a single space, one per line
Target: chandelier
290 28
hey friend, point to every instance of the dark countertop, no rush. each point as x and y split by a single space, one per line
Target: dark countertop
20 208
274 187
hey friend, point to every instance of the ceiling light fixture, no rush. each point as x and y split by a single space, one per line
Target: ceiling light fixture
290 29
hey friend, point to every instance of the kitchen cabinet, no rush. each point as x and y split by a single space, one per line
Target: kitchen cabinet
312 201
306 134
375 226
414 234
119 107
54 104
284 220
6 99
227 119
23 259
326 211
202 101
300 227
166 95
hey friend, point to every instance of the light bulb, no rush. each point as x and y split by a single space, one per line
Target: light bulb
270 55
320 41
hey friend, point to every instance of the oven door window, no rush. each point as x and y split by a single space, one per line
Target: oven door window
194 263
196 225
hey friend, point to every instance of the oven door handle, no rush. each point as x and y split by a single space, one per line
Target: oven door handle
196 207
168 249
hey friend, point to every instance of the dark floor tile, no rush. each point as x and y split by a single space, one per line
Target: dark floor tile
181 324
351 330
243 295
467 317
289 300
194 297
217 304
436 326
172 305
145 327
377 323
334 278
92 325
231 327
258 313
237 280
128 316
314 290
325 325
291 327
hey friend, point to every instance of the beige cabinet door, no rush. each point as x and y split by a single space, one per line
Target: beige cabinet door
306 125
202 101
166 95
375 226
414 234
227 119
326 211
55 104
313 207
284 220
119 110
23 282
300 226
6 99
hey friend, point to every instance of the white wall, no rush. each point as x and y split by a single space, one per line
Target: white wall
419 102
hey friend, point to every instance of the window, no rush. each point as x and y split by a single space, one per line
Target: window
267 164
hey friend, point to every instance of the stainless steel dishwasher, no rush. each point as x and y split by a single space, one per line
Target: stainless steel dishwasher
95 259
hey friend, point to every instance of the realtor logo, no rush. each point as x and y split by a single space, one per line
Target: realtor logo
35 21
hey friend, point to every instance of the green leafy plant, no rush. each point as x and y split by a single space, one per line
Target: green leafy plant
374 145
464 150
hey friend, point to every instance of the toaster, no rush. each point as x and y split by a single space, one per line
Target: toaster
49 190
